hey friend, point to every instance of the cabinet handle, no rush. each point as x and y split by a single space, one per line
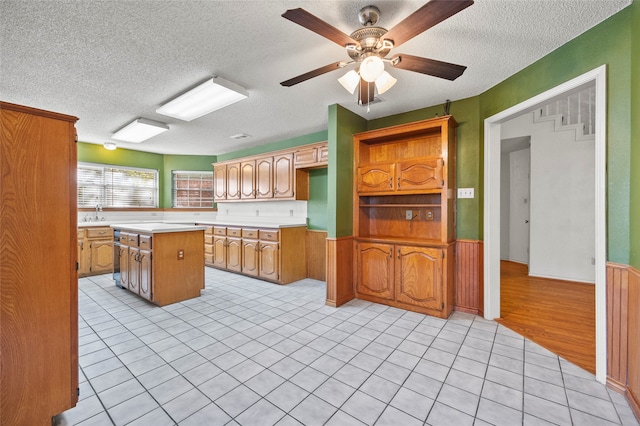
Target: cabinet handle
398 253
102 232
398 181
391 183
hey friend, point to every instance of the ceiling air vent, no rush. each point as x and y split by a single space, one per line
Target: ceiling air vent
240 136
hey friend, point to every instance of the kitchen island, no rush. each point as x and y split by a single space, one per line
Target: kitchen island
161 262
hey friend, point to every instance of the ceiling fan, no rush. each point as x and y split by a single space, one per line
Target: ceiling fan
368 46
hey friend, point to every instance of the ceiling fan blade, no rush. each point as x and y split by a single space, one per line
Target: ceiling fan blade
366 92
432 67
317 25
311 74
424 18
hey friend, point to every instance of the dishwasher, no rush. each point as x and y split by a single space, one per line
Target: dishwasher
116 258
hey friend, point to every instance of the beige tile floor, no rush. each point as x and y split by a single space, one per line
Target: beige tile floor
253 353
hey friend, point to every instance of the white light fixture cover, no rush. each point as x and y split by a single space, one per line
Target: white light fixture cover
207 97
110 146
371 68
385 82
350 81
139 130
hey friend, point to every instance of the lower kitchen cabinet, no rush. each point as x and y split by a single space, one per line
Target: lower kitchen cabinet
405 276
95 250
165 267
276 255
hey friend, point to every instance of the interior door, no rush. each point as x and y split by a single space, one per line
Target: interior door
520 182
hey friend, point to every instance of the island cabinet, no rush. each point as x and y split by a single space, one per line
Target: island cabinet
165 266
271 254
279 175
95 250
404 212
38 277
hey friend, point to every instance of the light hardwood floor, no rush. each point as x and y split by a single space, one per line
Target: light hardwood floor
559 315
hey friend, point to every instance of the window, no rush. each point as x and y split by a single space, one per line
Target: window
192 189
116 186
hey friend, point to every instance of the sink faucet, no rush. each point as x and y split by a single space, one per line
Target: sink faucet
98 209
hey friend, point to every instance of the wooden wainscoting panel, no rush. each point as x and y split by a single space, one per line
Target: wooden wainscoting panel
339 270
469 276
633 357
617 322
316 254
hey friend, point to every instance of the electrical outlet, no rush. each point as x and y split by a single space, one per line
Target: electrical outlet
429 215
465 193
180 254
408 214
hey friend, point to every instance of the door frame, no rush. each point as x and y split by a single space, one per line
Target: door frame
492 128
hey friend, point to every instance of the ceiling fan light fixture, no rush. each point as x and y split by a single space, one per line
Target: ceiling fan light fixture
371 68
139 130
385 82
350 81
212 95
111 146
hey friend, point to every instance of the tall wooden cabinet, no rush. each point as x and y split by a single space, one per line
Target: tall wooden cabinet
404 215
38 278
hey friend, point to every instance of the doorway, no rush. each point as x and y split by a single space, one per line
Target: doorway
492 202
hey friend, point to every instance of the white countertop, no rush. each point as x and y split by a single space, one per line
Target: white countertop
155 227
253 223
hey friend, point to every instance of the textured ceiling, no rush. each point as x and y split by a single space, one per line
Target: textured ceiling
109 62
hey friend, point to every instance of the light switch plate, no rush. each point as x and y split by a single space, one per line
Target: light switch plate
465 193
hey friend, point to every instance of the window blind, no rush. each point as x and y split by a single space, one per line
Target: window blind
192 189
111 186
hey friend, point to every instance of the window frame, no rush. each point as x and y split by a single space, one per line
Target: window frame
200 189
104 186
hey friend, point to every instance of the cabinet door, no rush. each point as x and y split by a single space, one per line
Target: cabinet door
306 157
124 266
234 254
248 179
134 270
220 182
419 276
250 257
269 260
146 282
283 176
233 181
82 262
220 252
419 174
101 256
375 270
323 154
264 177
375 178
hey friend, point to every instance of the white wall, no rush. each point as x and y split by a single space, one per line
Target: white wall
562 207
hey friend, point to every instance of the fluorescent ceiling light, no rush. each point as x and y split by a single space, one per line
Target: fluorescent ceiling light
209 96
350 81
139 130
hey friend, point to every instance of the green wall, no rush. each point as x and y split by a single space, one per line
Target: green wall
634 232
164 164
275 146
317 207
607 43
342 125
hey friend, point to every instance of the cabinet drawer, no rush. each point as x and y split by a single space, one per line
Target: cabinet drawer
145 242
208 239
131 239
219 230
234 232
81 233
305 157
208 258
208 249
269 235
99 233
208 230
250 233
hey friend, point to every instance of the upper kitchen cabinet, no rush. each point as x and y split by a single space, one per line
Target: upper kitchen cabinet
38 278
278 175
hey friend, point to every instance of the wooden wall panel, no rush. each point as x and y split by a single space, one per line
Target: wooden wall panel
339 270
633 357
469 276
316 254
617 322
